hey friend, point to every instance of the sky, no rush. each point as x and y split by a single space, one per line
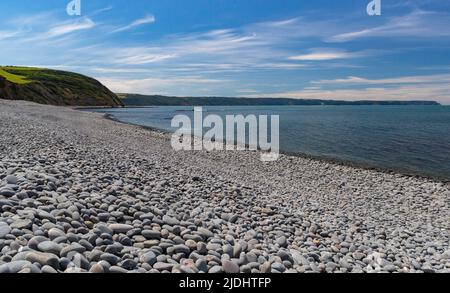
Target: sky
322 49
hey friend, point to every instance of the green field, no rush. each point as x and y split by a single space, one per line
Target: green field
54 87
11 77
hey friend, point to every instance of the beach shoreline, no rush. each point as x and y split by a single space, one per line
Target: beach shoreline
324 159
82 193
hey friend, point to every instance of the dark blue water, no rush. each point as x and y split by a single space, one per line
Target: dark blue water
413 139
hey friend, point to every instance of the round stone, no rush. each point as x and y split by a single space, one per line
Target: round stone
96 269
170 220
230 267
50 247
120 228
162 266
21 224
151 234
4 230
182 249
54 233
11 179
149 258
43 258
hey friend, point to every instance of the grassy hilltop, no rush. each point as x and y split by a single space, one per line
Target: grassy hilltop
158 100
54 87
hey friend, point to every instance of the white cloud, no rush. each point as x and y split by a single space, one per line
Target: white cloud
439 93
8 34
67 28
138 22
157 84
427 87
418 24
144 59
327 54
420 79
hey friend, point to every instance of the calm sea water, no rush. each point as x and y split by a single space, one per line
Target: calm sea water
414 139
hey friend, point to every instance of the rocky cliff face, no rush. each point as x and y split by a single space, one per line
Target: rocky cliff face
58 88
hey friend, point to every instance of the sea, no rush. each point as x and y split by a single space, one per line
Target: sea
408 139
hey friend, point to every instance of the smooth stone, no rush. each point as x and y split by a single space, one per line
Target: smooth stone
7 193
75 247
202 265
43 258
149 258
103 217
50 247
11 179
13 267
215 270
266 267
128 264
205 232
48 270
46 215
162 266
96 269
282 241
21 224
54 233
110 258
230 267
120 228
4 230
182 249
117 270
151 234
170 220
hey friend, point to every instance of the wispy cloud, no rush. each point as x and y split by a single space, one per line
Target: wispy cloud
144 58
160 85
402 93
420 79
417 24
426 87
148 19
101 10
327 54
8 34
70 27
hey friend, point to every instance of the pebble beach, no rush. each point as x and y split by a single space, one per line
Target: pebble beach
82 193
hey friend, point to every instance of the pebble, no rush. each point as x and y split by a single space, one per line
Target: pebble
13 267
21 224
4 230
151 234
100 196
110 258
54 233
170 220
48 270
120 228
10 179
43 258
216 270
230 267
50 247
162 266
282 242
181 249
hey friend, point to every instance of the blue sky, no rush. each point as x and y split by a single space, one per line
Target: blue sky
255 48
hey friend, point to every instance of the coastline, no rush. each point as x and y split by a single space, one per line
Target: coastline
324 159
102 196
